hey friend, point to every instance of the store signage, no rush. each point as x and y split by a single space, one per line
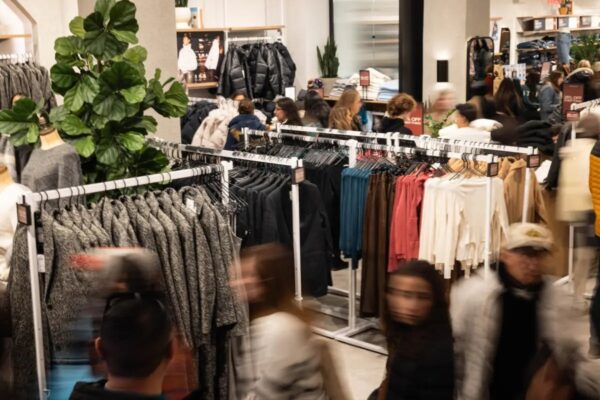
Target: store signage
365 78
572 116
414 121
572 94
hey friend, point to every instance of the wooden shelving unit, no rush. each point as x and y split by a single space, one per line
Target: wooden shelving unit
548 32
527 24
14 36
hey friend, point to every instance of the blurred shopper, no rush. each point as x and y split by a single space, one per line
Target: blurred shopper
465 114
500 322
316 110
574 200
238 95
398 110
349 103
550 95
283 355
595 307
419 336
245 119
440 108
584 75
286 112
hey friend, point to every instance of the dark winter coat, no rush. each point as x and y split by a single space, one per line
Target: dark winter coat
96 391
393 125
241 121
193 119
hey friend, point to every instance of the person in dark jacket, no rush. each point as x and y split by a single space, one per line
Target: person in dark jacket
398 109
550 95
419 335
246 119
137 343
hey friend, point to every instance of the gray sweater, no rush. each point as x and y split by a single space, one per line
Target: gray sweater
55 168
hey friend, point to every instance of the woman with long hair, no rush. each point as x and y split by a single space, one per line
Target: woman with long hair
419 336
508 100
284 356
287 113
349 103
551 95
316 110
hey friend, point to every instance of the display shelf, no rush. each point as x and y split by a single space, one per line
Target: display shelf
546 32
527 19
549 49
235 29
202 85
14 36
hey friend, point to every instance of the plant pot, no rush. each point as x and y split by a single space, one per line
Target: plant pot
563 10
328 84
183 16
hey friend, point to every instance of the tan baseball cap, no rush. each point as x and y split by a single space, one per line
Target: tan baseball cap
528 235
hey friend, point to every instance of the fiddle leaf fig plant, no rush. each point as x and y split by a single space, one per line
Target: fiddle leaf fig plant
100 73
21 122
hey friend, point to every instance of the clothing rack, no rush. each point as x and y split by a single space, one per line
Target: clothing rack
32 201
293 163
530 154
347 334
16 57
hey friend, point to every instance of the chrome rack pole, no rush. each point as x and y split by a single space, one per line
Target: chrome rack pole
488 226
526 190
297 243
36 302
352 278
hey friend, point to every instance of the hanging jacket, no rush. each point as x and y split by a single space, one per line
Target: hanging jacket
288 67
259 72
192 120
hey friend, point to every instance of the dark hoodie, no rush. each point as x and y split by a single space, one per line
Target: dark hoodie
250 121
96 391
393 125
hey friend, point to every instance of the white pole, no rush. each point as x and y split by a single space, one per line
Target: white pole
488 226
296 233
227 166
36 303
352 159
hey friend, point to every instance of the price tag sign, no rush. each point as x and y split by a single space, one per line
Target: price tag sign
365 78
24 214
534 161
492 169
297 176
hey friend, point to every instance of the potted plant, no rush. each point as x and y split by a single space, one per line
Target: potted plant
100 73
183 14
329 65
564 7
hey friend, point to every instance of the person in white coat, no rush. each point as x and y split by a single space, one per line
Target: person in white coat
500 323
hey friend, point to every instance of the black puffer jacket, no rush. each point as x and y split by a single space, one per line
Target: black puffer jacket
259 70
536 134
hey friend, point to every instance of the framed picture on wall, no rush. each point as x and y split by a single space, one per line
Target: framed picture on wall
199 57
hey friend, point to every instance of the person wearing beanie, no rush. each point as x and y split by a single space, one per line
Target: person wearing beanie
501 322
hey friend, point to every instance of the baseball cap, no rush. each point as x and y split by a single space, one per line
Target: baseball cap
534 236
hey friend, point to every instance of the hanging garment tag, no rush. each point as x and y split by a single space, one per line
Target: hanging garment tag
24 214
492 169
190 204
534 161
297 175
41 263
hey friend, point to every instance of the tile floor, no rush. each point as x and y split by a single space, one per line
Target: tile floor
364 370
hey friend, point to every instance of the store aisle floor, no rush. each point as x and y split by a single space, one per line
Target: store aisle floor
362 369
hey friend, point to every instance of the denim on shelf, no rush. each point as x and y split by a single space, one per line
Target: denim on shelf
563 47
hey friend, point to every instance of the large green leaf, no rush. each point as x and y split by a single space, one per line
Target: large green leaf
175 102
63 78
132 141
70 61
74 126
19 120
68 46
136 54
76 27
84 92
26 108
104 7
146 123
100 42
125 36
134 94
110 105
122 17
150 159
33 133
121 75
85 146
107 153
73 101
98 121
58 115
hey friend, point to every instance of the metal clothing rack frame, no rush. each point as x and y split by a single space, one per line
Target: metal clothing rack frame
292 163
354 328
33 200
530 154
